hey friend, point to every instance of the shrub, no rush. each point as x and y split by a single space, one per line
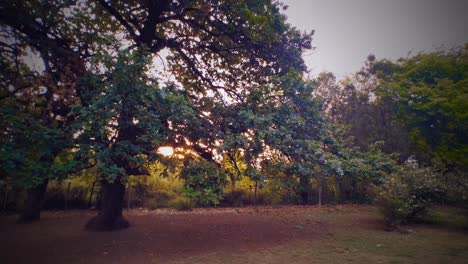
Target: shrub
407 195
77 197
234 198
56 194
54 198
457 182
203 182
182 204
160 199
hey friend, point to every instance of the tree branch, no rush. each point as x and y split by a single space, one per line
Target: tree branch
119 18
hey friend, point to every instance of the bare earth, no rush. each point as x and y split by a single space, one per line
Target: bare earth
292 234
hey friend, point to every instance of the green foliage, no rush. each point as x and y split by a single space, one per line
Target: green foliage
372 166
456 183
364 118
37 98
408 194
100 100
123 124
203 182
30 151
159 189
429 95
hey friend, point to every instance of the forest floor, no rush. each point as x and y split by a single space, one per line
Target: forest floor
284 234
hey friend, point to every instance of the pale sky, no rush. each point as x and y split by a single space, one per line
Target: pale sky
346 31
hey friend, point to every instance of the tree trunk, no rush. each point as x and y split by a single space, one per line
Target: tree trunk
340 193
66 196
91 194
5 200
129 196
33 204
304 187
255 193
110 214
320 194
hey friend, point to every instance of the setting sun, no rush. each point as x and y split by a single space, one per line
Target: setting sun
166 151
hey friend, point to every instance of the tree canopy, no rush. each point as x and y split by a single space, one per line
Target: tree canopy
428 93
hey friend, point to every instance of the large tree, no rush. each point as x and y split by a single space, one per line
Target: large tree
44 50
216 51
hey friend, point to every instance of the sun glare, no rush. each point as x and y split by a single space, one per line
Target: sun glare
166 151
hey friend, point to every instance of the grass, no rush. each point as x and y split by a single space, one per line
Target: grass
449 217
354 237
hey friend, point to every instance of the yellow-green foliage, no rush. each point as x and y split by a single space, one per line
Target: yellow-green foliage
73 192
181 204
157 190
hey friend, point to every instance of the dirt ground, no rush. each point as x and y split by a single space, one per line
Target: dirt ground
166 235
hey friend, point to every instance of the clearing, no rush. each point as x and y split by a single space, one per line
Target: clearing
284 234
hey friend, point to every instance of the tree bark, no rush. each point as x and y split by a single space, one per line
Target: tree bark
5 200
129 196
66 196
33 204
304 190
110 214
255 197
320 194
91 194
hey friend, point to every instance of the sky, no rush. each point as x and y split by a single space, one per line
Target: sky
347 31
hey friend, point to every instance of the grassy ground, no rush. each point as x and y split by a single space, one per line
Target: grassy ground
289 234
355 238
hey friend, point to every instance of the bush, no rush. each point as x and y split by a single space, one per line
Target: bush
203 182
234 198
457 182
182 204
56 194
54 199
160 199
407 195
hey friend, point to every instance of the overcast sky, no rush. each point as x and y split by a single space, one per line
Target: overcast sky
346 31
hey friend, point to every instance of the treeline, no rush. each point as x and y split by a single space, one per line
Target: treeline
417 108
86 116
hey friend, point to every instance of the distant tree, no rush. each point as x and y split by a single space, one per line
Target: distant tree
415 106
428 93
356 104
300 136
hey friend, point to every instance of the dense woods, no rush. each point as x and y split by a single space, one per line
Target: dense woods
85 112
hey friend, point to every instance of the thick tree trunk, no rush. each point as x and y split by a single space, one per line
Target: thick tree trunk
110 214
33 204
